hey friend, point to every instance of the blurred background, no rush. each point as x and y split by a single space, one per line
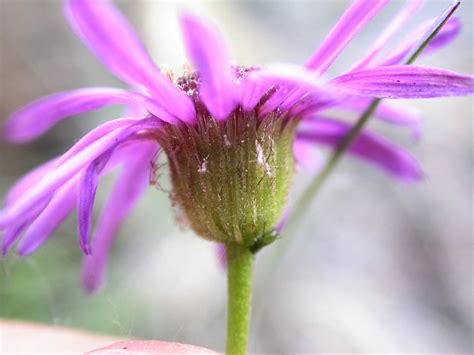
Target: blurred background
375 266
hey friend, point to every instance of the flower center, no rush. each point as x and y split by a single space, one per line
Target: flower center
231 178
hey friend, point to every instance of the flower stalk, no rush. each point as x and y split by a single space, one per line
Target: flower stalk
239 278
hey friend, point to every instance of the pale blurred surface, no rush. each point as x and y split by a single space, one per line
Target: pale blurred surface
376 266
21 337
33 338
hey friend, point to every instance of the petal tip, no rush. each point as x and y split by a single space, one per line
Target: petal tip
188 19
24 251
412 173
90 284
86 249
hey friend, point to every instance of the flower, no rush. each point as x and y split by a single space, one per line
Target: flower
227 130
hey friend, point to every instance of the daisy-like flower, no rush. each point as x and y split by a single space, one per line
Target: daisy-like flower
230 133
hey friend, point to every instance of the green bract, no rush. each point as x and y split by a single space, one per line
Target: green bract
231 178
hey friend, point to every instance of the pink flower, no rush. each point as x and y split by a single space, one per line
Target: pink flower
216 92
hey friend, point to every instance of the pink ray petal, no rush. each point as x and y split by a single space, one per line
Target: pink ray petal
109 35
446 35
28 180
207 51
87 189
60 206
367 146
69 167
403 16
128 187
386 111
36 118
291 79
307 156
357 15
405 82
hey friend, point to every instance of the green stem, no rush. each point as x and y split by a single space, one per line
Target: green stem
239 279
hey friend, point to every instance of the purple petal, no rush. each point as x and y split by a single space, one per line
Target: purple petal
54 179
275 100
386 111
405 82
207 51
13 232
39 116
85 202
288 79
403 16
128 188
252 91
256 85
108 34
96 134
221 255
70 166
284 218
11 235
32 178
367 146
291 79
60 206
27 181
292 99
359 13
307 156
88 188
446 35
314 103
134 111
293 76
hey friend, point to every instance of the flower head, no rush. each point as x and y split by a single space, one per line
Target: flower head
229 133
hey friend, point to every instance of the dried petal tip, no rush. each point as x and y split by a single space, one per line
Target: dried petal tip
231 179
